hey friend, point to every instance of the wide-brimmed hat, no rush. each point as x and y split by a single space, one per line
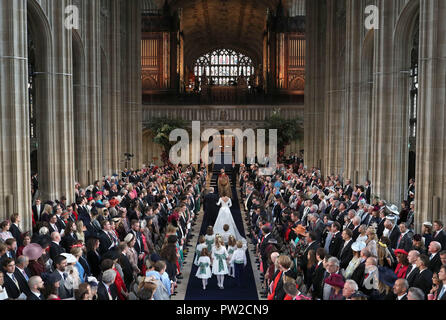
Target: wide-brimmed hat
427 223
33 251
70 257
393 208
387 276
392 218
300 229
358 246
335 280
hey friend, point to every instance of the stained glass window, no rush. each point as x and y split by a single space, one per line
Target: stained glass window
223 66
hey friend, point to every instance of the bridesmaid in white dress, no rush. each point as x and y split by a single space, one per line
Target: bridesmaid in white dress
219 261
201 244
204 267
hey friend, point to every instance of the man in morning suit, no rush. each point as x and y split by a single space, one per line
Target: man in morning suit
336 240
423 279
210 208
346 253
106 288
35 284
434 256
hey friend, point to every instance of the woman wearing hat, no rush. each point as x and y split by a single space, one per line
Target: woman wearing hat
337 284
34 253
403 263
131 252
386 282
426 232
356 260
52 284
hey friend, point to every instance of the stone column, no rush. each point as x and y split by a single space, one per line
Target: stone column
314 128
389 122
115 84
430 195
354 115
15 170
335 88
63 103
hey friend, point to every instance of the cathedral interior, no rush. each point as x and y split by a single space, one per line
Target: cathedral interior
80 81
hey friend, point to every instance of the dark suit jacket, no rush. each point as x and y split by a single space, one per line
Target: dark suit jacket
443 297
441 237
104 242
406 242
210 209
22 281
94 262
55 250
32 297
394 236
127 269
355 234
15 231
411 277
67 241
346 254
103 294
423 280
336 244
317 281
435 263
11 288
263 246
36 214
358 274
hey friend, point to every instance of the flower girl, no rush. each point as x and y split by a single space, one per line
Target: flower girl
204 267
231 248
209 237
201 244
219 261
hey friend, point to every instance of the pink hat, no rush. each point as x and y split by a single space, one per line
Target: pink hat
33 251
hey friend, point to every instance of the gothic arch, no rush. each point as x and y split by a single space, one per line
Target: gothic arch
40 29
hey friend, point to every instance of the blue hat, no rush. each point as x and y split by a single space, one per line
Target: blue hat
155 257
387 276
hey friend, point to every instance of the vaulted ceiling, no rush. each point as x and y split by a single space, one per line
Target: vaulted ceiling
234 24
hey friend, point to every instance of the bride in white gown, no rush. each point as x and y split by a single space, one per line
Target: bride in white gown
225 217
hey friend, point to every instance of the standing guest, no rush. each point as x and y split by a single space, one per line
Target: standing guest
372 241
52 285
435 285
69 237
4 231
292 292
11 247
131 253
204 267
26 240
443 257
312 262
434 257
15 229
36 264
337 284
350 287
346 253
93 256
362 234
22 273
412 270
11 282
83 292
439 234
36 286
60 264
356 259
405 239
423 279
386 282
55 247
107 289
80 231
426 231
441 291
336 240
400 289
417 244
284 269
403 263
